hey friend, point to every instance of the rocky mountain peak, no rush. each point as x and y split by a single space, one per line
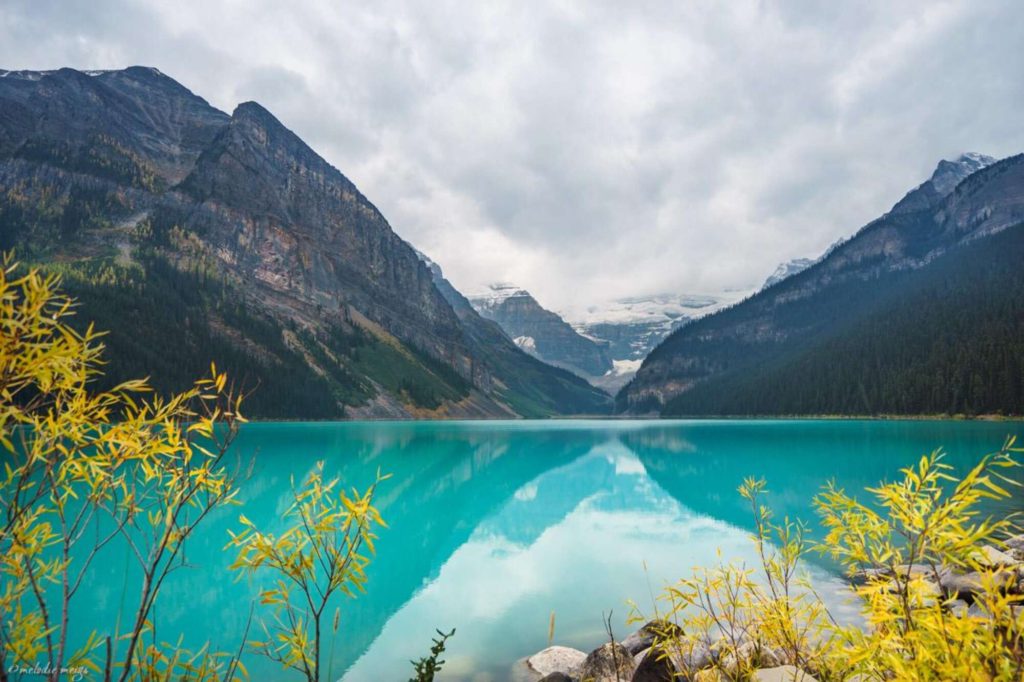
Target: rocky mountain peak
948 174
333 301
541 332
788 269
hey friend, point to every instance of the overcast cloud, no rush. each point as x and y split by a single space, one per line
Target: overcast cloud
589 150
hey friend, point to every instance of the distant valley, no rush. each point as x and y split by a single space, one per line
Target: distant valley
604 344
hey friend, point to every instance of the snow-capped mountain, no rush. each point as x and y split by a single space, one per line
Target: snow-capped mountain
947 175
541 332
633 326
788 269
895 293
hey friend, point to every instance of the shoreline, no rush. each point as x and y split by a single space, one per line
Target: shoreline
1019 419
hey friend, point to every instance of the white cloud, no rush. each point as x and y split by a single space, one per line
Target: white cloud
589 151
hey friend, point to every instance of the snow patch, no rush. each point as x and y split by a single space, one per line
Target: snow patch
664 309
527 343
787 270
496 294
623 367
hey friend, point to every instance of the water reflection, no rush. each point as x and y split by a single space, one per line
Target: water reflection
492 526
586 538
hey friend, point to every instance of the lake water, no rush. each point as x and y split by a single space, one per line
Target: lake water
495 525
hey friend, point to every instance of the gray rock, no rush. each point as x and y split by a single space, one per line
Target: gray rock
962 585
1015 547
958 608
918 571
653 666
645 636
752 652
556 677
556 659
865 575
608 663
782 673
976 611
990 557
966 585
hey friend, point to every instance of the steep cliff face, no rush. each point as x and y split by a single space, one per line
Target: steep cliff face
272 208
541 332
798 316
258 253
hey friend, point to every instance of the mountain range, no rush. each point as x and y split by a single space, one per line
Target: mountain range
604 344
541 332
194 235
920 312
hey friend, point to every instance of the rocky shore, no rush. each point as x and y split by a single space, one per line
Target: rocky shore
634 659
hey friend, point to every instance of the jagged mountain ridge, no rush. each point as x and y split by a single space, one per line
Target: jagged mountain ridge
788 269
529 380
633 326
743 350
946 176
541 332
255 247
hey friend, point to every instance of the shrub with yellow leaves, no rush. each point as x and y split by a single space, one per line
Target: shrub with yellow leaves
145 470
324 550
910 555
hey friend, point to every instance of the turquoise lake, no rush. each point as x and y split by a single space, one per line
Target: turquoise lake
495 525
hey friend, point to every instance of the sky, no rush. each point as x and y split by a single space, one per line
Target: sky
590 150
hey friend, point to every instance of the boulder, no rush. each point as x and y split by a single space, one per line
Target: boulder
976 611
918 571
1015 547
652 666
966 585
554 659
958 608
865 575
990 557
556 677
710 675
608 663
782 673
962 585
645 636
750 653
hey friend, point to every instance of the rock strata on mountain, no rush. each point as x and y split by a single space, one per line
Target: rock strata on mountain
194 236
541 332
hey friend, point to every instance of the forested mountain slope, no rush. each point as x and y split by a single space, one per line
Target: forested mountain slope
195 236
922 311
